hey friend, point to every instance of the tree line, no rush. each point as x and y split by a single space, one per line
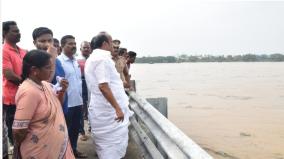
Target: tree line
210 58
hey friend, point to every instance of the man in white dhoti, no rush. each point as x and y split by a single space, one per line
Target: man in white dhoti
108 110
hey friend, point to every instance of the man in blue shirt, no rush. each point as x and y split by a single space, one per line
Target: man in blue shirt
74 91
43 38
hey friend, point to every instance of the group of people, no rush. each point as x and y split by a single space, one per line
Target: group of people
49 91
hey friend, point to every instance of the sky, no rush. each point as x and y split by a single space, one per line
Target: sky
158 27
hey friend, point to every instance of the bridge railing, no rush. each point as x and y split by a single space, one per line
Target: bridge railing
157 137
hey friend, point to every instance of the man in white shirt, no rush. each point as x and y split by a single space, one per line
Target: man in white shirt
108 110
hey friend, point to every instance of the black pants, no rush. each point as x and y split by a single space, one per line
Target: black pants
4 137
82 130
85 106
85 98
10 114
73 119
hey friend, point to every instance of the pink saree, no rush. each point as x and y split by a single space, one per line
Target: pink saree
39 111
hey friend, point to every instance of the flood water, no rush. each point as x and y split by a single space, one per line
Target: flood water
232 110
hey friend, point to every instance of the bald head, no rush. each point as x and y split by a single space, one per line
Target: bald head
102 41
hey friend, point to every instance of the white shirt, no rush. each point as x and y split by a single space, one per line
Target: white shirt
73 75
100 68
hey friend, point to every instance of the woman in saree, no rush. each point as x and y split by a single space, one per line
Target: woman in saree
39 127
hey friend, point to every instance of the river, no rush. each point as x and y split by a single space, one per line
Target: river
232 110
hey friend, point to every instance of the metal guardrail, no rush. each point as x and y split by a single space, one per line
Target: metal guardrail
157 137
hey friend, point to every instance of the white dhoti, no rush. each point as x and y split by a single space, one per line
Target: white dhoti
110 136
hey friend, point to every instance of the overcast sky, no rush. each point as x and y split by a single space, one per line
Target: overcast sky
158 27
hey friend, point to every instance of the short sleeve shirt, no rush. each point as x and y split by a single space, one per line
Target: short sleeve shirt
12 59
